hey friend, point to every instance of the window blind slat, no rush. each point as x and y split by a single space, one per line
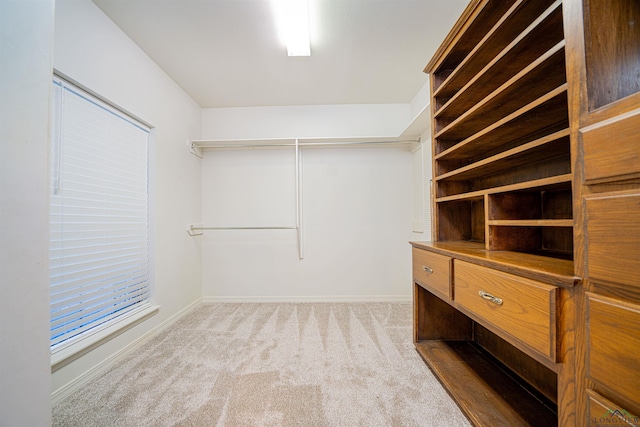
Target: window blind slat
93 307
126 278
91 319
100 302
91 302
94 278
99 253
80 320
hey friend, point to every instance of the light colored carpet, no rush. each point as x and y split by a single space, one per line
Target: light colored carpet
312 364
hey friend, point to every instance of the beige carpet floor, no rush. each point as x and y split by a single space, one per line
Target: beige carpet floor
306 364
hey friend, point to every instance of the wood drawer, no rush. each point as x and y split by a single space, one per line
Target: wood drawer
603 412
432 271
613 232
613 342
526 309
612 147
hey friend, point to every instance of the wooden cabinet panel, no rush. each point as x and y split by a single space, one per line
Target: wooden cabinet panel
613 227
432 271
621 157
611 47
523 308
613 343
603 412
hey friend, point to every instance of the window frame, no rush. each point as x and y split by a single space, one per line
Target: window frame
76 346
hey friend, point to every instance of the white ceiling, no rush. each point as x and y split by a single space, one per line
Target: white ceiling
226 53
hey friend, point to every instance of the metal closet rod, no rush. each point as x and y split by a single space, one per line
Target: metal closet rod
196 230
206 228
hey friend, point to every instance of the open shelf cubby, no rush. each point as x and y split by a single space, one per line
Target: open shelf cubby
494 383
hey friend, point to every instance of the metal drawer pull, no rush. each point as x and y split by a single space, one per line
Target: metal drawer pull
427 269
490 297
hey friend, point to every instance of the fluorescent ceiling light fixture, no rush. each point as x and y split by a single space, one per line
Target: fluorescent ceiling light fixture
292 18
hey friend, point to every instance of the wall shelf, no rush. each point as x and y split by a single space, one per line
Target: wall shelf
198 146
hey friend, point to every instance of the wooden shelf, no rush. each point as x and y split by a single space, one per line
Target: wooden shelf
546 115
531 222
525 87
549 146
506 29
540 39
540 114
527 52
485 391
465 36
476 94
549 183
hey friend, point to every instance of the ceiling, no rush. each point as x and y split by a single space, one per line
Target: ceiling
226 53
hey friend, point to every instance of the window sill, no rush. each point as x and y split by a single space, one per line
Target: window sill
99 336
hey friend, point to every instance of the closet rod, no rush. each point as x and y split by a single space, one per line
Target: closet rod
194 228
243 228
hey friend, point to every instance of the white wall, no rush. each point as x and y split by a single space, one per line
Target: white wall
26 31
422 197
357 207
421 101
427 185
305 121
417 223
90 49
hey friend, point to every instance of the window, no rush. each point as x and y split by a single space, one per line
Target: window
99 217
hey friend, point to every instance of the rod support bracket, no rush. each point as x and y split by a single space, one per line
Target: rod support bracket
194 149
193 231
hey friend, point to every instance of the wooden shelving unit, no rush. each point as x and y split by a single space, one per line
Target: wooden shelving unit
535 115
504 221
501 126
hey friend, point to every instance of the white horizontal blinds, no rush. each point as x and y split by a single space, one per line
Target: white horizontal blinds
99 255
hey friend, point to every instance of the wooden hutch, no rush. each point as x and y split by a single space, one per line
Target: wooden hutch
527 301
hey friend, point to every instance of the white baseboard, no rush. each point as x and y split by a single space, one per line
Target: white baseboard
76 383
301 299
